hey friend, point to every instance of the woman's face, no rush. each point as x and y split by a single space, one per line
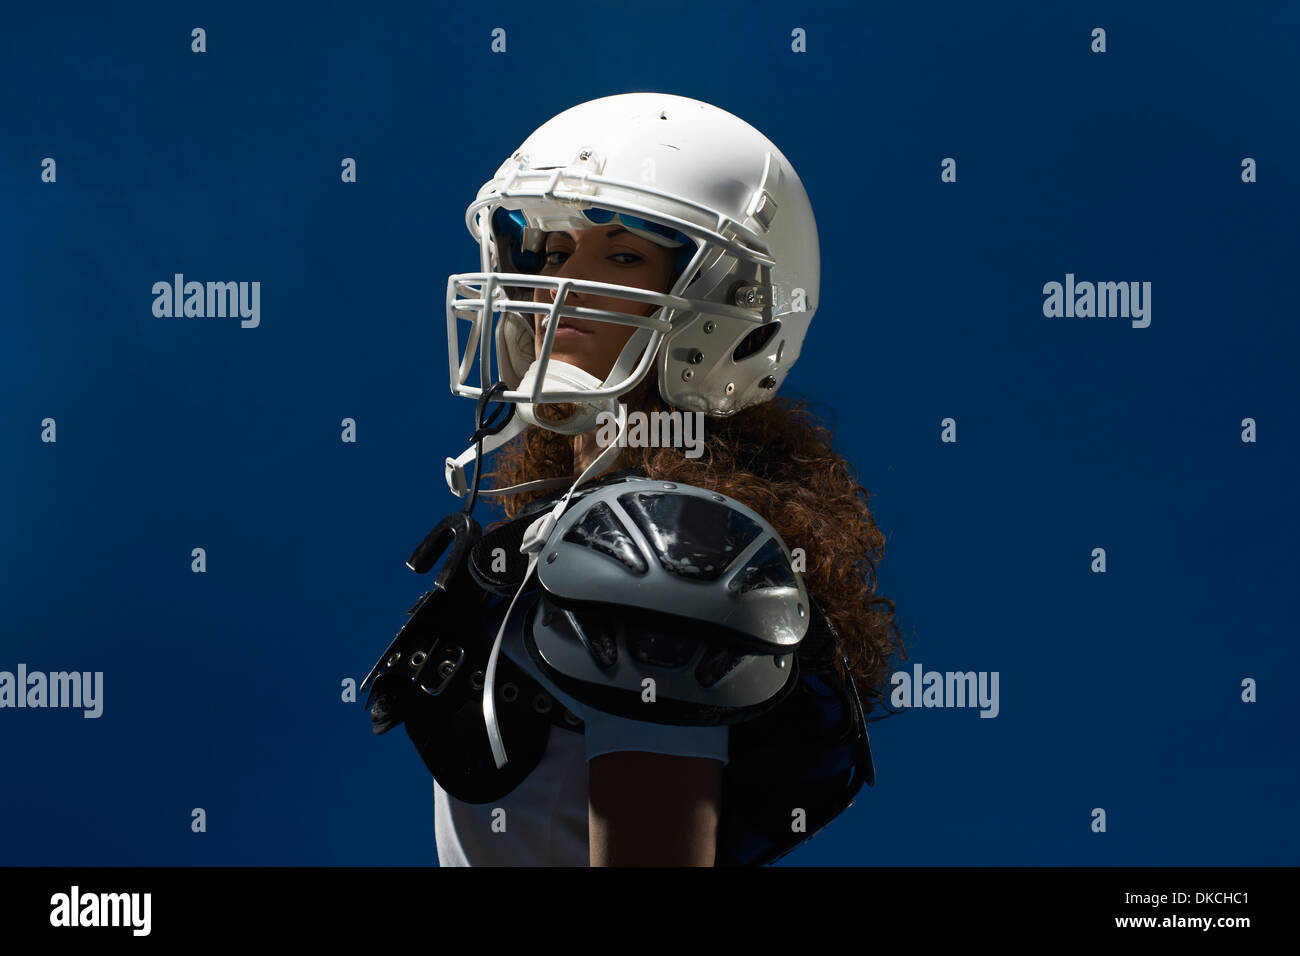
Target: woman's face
605 253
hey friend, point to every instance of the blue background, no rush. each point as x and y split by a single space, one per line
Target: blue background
222 690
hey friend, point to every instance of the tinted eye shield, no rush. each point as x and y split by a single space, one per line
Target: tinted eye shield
523 248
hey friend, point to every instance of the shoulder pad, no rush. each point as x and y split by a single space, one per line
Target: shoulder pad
652 579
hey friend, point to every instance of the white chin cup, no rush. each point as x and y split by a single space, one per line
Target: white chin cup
561 376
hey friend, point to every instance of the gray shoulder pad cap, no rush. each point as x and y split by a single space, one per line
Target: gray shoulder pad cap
675 548
651 579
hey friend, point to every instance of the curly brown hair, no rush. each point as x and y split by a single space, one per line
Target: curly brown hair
775 457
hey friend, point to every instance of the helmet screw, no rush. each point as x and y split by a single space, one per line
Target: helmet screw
585 154
709 326
750 296
417 659
509 692
392 661
476 680
696 357
769 382
687 375
550 558
731 387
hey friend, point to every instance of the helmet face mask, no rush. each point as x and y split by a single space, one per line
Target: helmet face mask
678 173
523 249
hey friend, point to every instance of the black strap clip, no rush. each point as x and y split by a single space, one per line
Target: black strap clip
459 532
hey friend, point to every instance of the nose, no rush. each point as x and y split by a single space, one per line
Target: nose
550 295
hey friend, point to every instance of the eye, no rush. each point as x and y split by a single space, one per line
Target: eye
632 256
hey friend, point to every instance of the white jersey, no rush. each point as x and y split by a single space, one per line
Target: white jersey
546 815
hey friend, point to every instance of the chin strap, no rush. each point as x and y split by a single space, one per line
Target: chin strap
515 425
455 473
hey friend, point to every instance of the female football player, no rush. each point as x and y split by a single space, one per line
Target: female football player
678 199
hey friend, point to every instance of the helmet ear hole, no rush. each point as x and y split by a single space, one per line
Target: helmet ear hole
755 341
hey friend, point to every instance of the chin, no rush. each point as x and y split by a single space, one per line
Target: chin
581 359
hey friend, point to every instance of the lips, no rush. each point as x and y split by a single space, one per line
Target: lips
566 323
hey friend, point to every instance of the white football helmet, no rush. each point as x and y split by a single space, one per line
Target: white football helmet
678 172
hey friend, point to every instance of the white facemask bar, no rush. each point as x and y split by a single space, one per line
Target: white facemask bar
492 299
